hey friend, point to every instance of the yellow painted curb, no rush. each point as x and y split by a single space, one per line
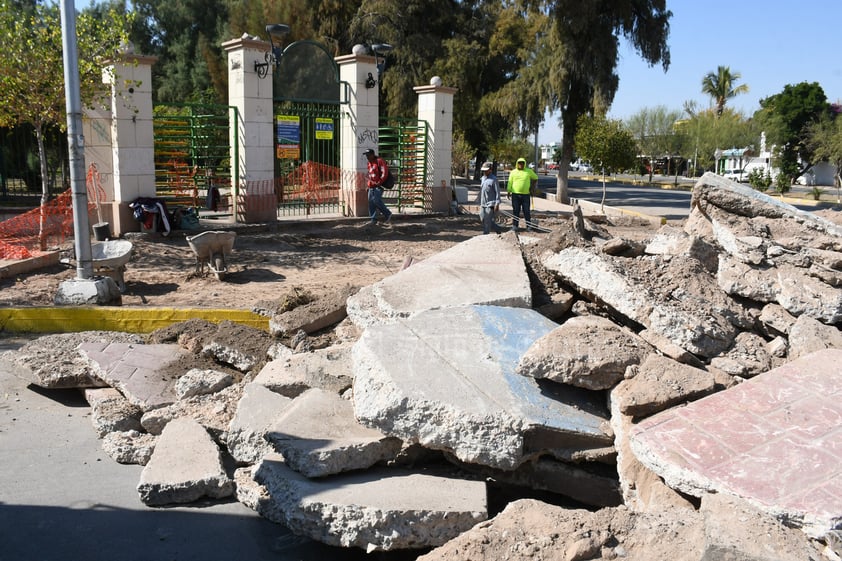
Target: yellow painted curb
110 318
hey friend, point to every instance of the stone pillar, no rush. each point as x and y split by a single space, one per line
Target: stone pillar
359 129
435 105
132 143
254 130
96 130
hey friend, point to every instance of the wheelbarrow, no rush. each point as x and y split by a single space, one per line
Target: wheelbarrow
211 248
109 259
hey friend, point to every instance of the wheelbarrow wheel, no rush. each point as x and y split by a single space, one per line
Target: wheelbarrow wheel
219 266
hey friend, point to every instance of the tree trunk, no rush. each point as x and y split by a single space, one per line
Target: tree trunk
45 190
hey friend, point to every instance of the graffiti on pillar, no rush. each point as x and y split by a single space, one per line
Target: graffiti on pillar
367 134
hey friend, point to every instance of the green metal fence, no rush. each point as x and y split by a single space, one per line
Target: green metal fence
20 164
404 143
193 153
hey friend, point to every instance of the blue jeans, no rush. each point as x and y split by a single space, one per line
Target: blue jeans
521 202
375 203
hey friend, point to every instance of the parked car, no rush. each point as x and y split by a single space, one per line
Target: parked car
735 175
585 167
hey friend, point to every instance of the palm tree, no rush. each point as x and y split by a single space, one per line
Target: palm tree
720 86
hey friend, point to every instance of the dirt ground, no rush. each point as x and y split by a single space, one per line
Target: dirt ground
267 263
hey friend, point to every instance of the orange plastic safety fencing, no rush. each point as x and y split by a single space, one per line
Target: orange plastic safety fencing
31 233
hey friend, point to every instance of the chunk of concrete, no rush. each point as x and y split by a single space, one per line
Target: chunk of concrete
376 510
54 361
201 382
212 411
318 435
809 335
111 412
486 270
660 383
313 316
184 467
129 447
138 371
446 379
257 409
772 441
292 373
702 321
588 352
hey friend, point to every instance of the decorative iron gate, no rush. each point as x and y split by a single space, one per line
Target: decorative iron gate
193 154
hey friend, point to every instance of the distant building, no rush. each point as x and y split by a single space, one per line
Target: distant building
742 161
548 150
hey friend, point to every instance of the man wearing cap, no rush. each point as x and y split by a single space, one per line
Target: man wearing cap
489 200
377 172
519 187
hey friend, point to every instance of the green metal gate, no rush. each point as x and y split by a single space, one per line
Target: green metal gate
307 157
193 154
308 95
403 143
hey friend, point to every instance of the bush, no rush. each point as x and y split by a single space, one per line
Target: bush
759 179
817 193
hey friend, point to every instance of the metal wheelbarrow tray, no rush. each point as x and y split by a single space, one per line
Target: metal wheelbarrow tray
211 248
110 258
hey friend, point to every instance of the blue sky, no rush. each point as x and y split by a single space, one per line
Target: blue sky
769 43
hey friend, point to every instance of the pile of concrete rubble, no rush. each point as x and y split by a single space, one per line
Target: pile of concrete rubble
449 377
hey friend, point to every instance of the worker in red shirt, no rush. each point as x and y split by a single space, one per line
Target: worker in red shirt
377 172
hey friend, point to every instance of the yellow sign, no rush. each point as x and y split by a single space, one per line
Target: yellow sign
324 128
288 152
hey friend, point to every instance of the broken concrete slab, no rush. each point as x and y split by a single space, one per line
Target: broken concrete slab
660 383
54 361
313 316
136 370
700 319
590 352
318 435
256 411
292 373
129 447
212 411
111 411
485 270
809 335
201 382
376 510
771 441
446 379
184 467
748 357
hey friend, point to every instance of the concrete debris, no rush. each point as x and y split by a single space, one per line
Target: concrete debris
201 382
290 373
588 352
213 411
659 383
462 272
313 316
702 363
129 447
135 370
52 361
318 435
111 412
770 441
184 467
529 529
257 409
376 510
446 379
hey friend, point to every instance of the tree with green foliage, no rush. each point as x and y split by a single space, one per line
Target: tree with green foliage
32 68
787 117
721 86
606 144
656 134
581 53
824 139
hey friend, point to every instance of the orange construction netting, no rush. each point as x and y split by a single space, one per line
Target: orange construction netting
30 234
